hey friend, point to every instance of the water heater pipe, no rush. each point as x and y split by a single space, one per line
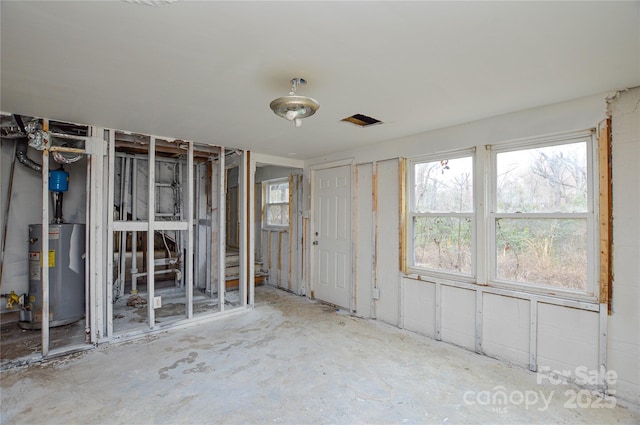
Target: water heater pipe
22 146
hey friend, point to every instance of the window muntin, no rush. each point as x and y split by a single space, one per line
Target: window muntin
276 203
442 214
542 227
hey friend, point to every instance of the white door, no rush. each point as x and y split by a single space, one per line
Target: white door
332 236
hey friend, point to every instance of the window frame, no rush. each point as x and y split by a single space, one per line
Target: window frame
484 250
266 204
411 266
587 136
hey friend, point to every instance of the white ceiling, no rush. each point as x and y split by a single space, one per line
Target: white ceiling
206 71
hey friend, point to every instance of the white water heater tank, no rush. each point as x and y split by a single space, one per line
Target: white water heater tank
66 258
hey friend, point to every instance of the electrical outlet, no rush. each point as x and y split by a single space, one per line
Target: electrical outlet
157 302
376 293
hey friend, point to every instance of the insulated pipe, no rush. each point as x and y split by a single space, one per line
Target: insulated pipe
21 156
22 146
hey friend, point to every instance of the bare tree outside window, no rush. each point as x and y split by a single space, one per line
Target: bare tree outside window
541 222
443 215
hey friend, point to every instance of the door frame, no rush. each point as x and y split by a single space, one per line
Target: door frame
310 257
299 268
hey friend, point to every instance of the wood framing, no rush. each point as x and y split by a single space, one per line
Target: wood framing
402 179
605 207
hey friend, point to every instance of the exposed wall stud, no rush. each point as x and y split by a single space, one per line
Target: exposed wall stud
151 202
602 348
222 238
188 283
44 252
479 305
605 207
533 335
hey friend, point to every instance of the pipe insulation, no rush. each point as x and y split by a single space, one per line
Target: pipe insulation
22 146
21 156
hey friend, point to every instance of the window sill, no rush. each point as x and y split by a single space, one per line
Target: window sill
548 295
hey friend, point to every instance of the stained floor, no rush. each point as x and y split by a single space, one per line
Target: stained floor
290 361
18 344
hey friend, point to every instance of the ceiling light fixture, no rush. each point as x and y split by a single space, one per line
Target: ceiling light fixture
294 107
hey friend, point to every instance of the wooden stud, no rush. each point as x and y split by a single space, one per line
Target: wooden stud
605 208
402 178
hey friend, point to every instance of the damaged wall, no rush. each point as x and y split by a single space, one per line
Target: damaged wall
518 329
278 259
624 321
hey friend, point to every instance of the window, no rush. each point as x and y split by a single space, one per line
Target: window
542 224
276 203
442 214
521 215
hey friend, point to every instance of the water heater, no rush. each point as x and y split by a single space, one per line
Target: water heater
66 259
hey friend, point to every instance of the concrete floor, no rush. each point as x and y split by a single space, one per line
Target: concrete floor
293 361
19 344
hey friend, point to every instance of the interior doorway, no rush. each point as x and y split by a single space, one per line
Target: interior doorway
279 225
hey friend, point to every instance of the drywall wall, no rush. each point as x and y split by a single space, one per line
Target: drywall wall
282 262
458 316
276 255
364 243
419 312
387 263
567 338
26 208
516 327
271 172
505 328
624 322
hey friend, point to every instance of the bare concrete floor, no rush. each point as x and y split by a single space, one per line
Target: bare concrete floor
17 344
292 361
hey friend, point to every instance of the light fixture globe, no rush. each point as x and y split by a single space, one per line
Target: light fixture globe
294 107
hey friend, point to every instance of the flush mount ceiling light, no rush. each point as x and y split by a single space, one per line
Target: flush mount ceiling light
294 107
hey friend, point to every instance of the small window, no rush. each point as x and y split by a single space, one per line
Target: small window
276 203
442 214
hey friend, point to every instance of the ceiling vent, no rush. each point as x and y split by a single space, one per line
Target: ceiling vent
362 120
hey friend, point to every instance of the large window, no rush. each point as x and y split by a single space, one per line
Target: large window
276 203
527 222
542 213
442 214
